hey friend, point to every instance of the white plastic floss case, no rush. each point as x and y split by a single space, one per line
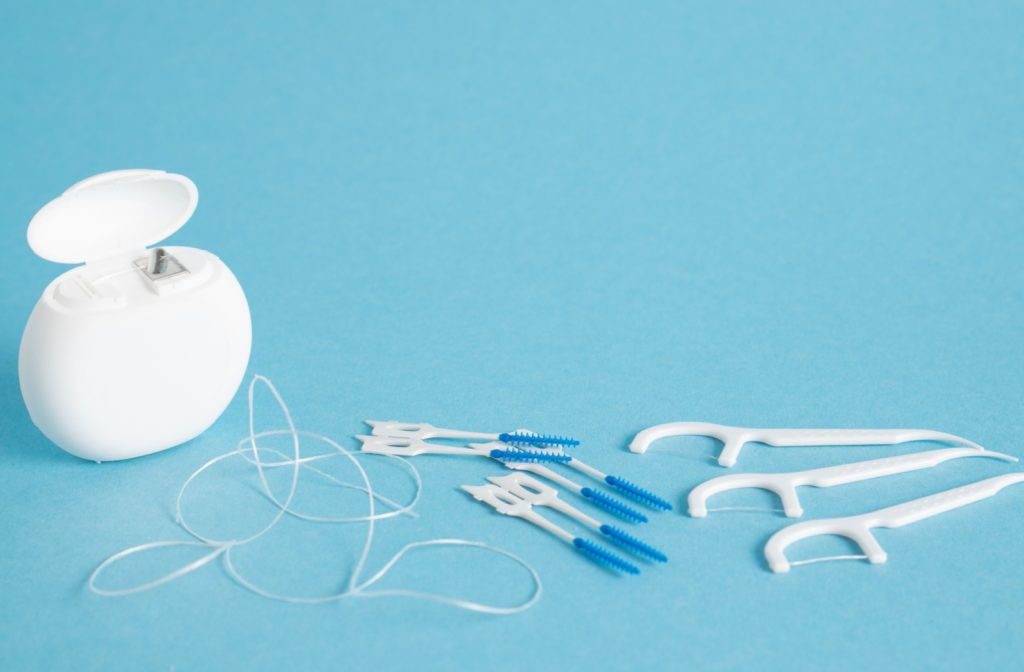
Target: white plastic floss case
135 350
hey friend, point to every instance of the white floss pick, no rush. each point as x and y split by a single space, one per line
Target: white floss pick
355 587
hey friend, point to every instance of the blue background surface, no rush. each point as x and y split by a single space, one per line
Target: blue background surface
579 217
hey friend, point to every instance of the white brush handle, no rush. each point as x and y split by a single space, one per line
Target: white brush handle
581 466
540 494
545 472
546 525
510 504
422 430
407 447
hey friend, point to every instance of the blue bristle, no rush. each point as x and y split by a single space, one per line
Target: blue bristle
634 544
528 456
613 505
537 440
638 493
603 557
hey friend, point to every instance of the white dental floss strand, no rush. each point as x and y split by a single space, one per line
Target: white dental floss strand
355 586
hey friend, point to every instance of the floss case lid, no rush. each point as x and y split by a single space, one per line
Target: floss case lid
112 213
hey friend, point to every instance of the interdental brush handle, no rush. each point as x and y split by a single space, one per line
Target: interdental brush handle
422 430
509 504
858 528
579 465
547 473
408 447
785 484
571 511
545 524
595 497
541 494
734 438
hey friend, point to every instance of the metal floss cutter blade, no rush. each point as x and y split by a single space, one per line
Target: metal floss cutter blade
134 350
858 528
733 438
508 504
785 484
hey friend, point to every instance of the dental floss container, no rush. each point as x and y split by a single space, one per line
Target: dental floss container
137 350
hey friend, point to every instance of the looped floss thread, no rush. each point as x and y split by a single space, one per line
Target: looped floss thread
296 462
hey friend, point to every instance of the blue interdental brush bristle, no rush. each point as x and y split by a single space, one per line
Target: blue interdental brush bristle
522 438
612 505
603 557
638 493
509 503
633 491
632 543
521 487
528 456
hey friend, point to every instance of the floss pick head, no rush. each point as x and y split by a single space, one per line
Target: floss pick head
858 528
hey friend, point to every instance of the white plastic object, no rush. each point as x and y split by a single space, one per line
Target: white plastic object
409 438
858 528
540 494
733 438
410 447
536 469
508 504
422 430
785 484
137 350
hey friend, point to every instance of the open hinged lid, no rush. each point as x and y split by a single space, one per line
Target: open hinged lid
112 213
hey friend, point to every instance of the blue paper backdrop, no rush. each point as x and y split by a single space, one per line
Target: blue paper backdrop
579 217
